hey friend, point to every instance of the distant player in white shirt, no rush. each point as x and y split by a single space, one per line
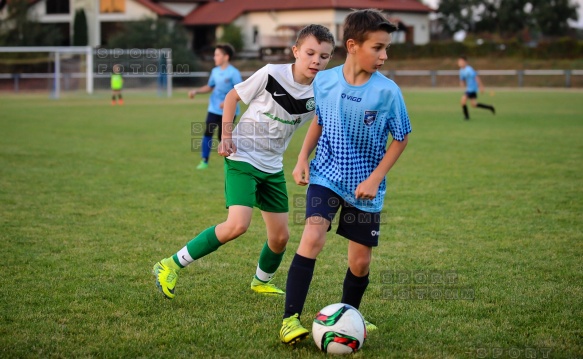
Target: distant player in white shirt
280 99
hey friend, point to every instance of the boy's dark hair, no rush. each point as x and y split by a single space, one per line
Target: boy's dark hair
359 23
227 49
463 57
321 33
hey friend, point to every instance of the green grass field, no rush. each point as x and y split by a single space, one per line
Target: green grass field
92 195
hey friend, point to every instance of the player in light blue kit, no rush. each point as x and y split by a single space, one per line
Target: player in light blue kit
356 110
471 81
223 79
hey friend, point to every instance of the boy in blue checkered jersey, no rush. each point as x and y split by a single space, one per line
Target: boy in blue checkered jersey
356 110
471 81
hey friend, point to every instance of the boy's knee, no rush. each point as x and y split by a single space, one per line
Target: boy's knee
281 239
360 266
236 229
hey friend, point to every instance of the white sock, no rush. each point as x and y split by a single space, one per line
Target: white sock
263 276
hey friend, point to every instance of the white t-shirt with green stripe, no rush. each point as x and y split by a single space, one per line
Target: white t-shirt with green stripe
277 107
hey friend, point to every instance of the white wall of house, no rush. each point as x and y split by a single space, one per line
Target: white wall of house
420 23
180 8
266 23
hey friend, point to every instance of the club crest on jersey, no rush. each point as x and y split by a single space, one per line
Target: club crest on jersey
310 104
369 117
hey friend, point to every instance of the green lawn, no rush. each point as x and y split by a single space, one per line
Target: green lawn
481 252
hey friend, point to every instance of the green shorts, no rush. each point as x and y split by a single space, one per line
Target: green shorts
245 185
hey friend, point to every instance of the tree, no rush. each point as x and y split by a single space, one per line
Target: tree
80 36
232 35
551 16
507 17
160 33
19 30
457 15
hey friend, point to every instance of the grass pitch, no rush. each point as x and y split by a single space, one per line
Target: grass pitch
481 243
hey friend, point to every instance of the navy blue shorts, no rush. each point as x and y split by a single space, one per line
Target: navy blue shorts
213 122
472 94
354 224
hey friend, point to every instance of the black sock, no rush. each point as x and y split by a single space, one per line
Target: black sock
466 114
353 289
113 98
119 96
491 108
299 278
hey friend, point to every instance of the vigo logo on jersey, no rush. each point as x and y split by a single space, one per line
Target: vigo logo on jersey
350 98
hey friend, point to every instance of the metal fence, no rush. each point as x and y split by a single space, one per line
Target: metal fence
405 78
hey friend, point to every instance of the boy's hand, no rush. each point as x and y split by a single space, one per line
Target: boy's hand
191 94
301 173
227 147
367 189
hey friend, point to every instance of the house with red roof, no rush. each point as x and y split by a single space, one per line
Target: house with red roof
264 24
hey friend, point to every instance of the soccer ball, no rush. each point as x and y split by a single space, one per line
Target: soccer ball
339 329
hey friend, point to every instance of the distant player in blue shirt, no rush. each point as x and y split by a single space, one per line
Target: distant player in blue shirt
357 108
471 81
223 79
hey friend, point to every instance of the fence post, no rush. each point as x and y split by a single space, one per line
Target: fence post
520 78
567 78
169 73
16 82
433 78
57 75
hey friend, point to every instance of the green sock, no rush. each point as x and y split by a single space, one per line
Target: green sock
206 242
268 263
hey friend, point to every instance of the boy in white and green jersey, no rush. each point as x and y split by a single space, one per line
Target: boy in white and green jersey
280 99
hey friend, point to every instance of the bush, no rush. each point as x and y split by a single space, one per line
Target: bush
232 35
80 36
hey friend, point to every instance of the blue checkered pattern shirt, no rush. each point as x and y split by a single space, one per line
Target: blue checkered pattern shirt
356 122
468 74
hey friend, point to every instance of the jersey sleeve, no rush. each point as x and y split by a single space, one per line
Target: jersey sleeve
250 88
211 81
399 124
236 77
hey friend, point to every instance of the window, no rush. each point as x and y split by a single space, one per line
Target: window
57 6
112 6
255 34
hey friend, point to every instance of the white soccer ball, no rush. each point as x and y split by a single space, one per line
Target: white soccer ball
339 329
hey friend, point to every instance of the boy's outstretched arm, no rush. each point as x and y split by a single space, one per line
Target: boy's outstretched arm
301 172
368 188
202 89
227 147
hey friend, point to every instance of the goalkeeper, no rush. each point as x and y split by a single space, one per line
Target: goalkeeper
116 85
